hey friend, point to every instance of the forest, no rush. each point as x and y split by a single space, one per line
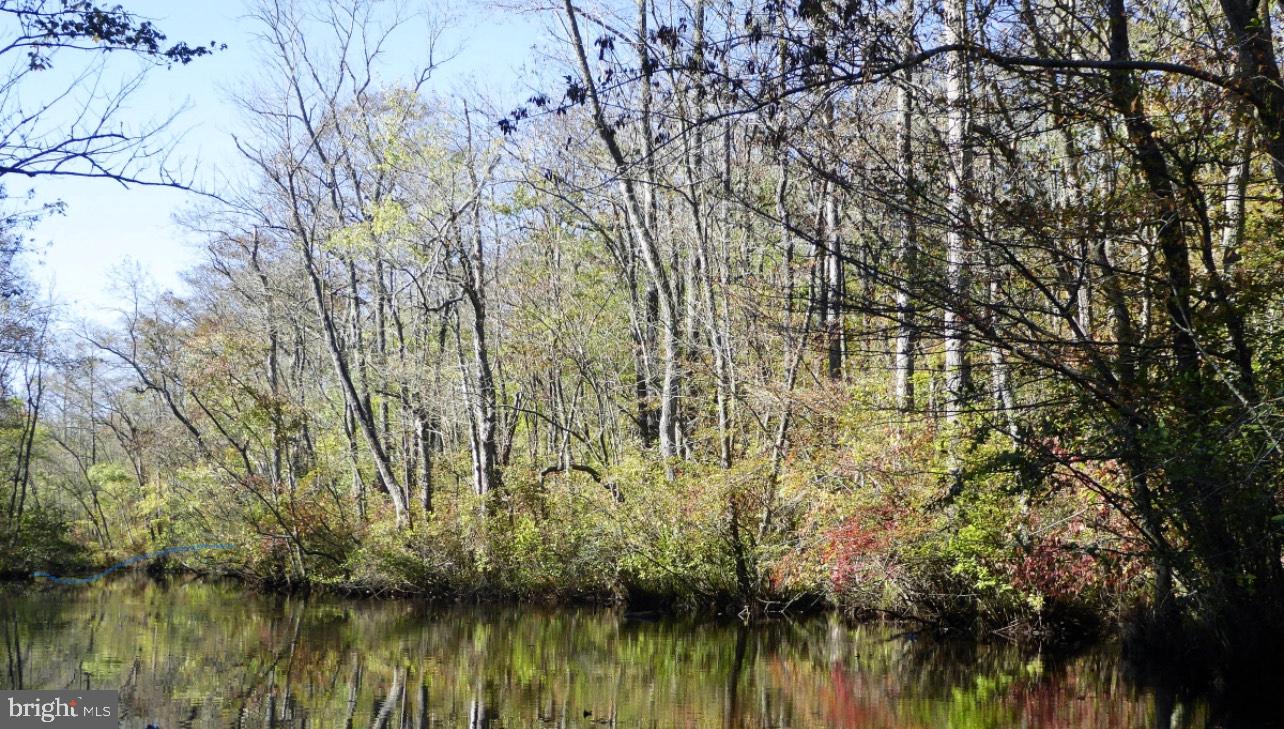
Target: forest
964 313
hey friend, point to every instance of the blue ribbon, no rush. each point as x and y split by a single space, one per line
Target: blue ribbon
128 562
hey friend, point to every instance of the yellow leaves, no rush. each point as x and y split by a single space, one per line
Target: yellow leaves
109 475
387 223
388 219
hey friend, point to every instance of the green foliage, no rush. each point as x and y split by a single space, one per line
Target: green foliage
42 540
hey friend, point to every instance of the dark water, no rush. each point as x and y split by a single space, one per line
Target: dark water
209 655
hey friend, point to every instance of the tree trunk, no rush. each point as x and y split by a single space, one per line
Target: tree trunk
1258 73
907 249
363 417
958 208
486 472
833 313
1236 193
645 235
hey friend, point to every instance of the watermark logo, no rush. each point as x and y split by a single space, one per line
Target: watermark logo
128 562
78 709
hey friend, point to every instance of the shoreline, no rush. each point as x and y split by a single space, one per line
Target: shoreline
645 608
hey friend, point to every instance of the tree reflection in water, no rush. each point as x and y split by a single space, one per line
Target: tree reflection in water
211 655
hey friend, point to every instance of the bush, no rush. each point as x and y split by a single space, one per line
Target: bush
41 541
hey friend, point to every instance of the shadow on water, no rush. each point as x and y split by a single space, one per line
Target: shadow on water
208 655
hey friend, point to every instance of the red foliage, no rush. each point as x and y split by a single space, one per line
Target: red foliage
861 543
1067 560
1052 569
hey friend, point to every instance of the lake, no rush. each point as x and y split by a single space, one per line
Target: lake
199 654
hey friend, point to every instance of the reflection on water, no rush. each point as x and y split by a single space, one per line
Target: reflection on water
210 655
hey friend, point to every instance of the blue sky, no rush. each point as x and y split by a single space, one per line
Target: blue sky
107 227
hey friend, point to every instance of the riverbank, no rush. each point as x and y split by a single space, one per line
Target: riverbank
629 602
684 548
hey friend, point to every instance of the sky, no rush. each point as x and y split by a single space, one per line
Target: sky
107 227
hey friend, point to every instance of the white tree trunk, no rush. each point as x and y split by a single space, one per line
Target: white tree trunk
958 210
908 240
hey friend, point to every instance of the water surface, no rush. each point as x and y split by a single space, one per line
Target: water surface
192 654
